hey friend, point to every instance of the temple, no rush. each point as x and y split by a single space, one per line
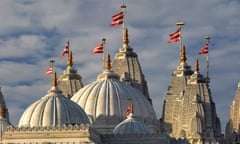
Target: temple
116 108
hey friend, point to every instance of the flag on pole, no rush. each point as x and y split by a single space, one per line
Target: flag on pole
117 19
204 50
98 49
175 36
66 49
49 71
128 110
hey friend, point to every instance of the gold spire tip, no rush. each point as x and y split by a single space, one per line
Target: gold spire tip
70 59
54 80
183 57
125 36
197 65
108 63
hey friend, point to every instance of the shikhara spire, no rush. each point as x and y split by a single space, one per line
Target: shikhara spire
196 65
183 57
108 63
54 80
70 59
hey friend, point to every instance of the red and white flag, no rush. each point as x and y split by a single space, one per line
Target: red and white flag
175 36
99 49
204 50
49 71
66 49
117 19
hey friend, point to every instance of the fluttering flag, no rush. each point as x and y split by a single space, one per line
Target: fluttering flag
49 71
117 19
66 49
204 50
175 36
99 49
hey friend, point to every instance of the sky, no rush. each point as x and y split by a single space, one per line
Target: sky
34 32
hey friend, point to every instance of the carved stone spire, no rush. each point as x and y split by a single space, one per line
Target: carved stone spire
70 59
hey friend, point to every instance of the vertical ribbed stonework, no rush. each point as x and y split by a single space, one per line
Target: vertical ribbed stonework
70 81
4 116
232 129
127 66
4 110
189 110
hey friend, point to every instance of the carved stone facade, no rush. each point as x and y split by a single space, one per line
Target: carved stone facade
189 111
233 126
70 81
127 66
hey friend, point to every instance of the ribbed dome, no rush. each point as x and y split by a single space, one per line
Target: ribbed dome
131 126
107 98
54 109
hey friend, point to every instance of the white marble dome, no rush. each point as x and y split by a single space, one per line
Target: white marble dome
131 126
53 109
106 99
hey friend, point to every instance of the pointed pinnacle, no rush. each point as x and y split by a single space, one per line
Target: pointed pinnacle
108 63
70 60
54 80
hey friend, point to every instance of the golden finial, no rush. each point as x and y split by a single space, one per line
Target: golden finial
197 65
54 80
125 37
1 111
70 59
123 6
181 23
108 63
183 57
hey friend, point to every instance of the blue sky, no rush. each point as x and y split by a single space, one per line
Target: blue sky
33 32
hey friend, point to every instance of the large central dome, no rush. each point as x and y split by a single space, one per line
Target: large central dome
106 99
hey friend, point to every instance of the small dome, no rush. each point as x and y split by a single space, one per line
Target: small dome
54 109
106 99
131 126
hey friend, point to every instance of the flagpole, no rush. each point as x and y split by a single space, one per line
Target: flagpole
123 7
103 55
180 24
68 43
207 60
